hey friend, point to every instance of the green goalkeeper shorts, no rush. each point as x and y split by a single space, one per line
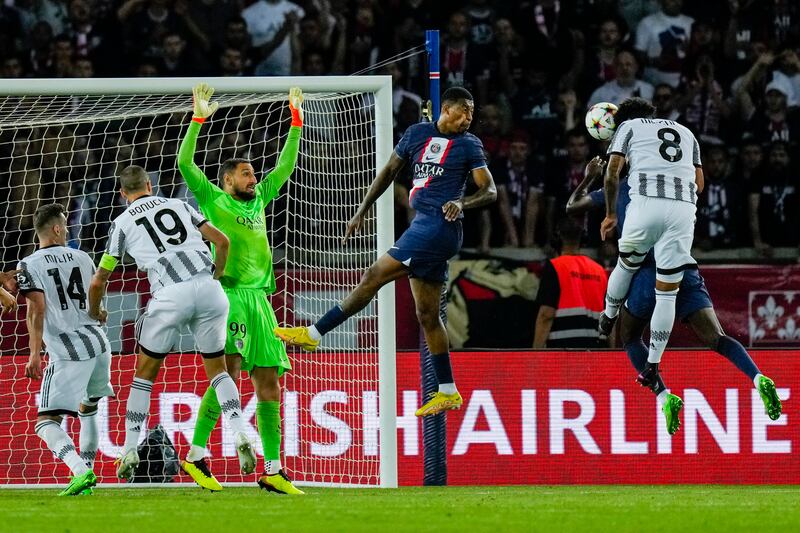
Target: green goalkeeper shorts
251 322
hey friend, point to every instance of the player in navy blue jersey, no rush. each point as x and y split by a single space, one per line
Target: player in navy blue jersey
693 305
441 156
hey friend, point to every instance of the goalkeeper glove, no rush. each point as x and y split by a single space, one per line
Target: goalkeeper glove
296 105
201 101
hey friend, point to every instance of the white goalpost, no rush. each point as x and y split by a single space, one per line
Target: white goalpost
67 140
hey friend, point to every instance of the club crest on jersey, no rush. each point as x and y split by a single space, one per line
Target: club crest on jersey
435 150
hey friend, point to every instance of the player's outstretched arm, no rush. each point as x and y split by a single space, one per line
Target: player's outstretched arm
385 177
221 246
611 186
34 319
579 201
196 180
7 301
271 185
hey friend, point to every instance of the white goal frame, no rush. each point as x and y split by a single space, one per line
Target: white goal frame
381 87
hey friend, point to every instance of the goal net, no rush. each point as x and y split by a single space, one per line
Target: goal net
66 141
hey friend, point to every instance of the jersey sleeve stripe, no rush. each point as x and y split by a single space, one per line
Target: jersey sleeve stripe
484 165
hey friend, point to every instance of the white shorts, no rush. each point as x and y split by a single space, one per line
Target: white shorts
665 226
65 384
199 304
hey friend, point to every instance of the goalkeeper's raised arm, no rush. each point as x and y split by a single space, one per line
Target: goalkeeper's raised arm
269 187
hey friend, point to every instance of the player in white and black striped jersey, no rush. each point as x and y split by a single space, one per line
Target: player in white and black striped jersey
79 371
665 175
165 238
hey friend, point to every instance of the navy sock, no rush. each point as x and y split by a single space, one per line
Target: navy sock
733 351
331 319
442 368
637 353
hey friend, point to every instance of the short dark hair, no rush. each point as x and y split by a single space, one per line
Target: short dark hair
632 108
453 95
133 178
570 230
229 166
46 215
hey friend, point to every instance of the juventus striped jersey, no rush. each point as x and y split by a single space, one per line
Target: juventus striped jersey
662 156
63 275
162 237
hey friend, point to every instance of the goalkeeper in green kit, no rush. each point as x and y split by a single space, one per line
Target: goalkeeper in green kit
237 209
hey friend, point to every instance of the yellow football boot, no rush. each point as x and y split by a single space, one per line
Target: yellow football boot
439 402
199 472
279 483
297 337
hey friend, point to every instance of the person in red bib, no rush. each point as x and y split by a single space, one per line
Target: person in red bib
571 295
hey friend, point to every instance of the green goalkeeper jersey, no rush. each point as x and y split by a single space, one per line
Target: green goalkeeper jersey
249 263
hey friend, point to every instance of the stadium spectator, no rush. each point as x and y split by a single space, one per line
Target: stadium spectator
237 37
549 35
231 62
571 295
519 193
662 39
145 23
53 12
751 157
664 101
456 52
492 132
600 62
533 108
10 31
83 68
775 121
774 202
174 60
202 19
563 175
38 56
61 57
702 104
625 84
270 23
717 208
507 61
12 68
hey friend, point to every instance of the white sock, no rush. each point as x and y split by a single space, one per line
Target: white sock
272 466
61 445
88 437
662 397
661 324
314 333
196 453
136 412
618 284
228 396
756 379
447 388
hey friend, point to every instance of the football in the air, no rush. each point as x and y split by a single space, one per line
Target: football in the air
600 121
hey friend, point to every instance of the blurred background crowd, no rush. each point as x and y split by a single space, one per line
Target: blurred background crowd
727 69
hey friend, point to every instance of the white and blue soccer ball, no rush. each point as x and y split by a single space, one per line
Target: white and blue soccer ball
600 121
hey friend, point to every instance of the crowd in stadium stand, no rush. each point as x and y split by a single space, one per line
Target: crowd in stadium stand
728 69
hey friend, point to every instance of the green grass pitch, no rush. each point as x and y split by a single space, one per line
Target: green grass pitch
464 509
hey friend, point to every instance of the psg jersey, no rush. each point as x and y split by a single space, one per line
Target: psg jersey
439 164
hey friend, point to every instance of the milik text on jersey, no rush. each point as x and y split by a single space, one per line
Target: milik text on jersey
146 206
63 258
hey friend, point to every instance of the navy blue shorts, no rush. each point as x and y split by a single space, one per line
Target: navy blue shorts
692 295
427 245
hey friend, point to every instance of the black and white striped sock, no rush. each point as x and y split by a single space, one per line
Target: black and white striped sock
228 396
136 412
61 445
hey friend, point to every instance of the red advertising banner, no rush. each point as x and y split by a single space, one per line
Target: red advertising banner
528 418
